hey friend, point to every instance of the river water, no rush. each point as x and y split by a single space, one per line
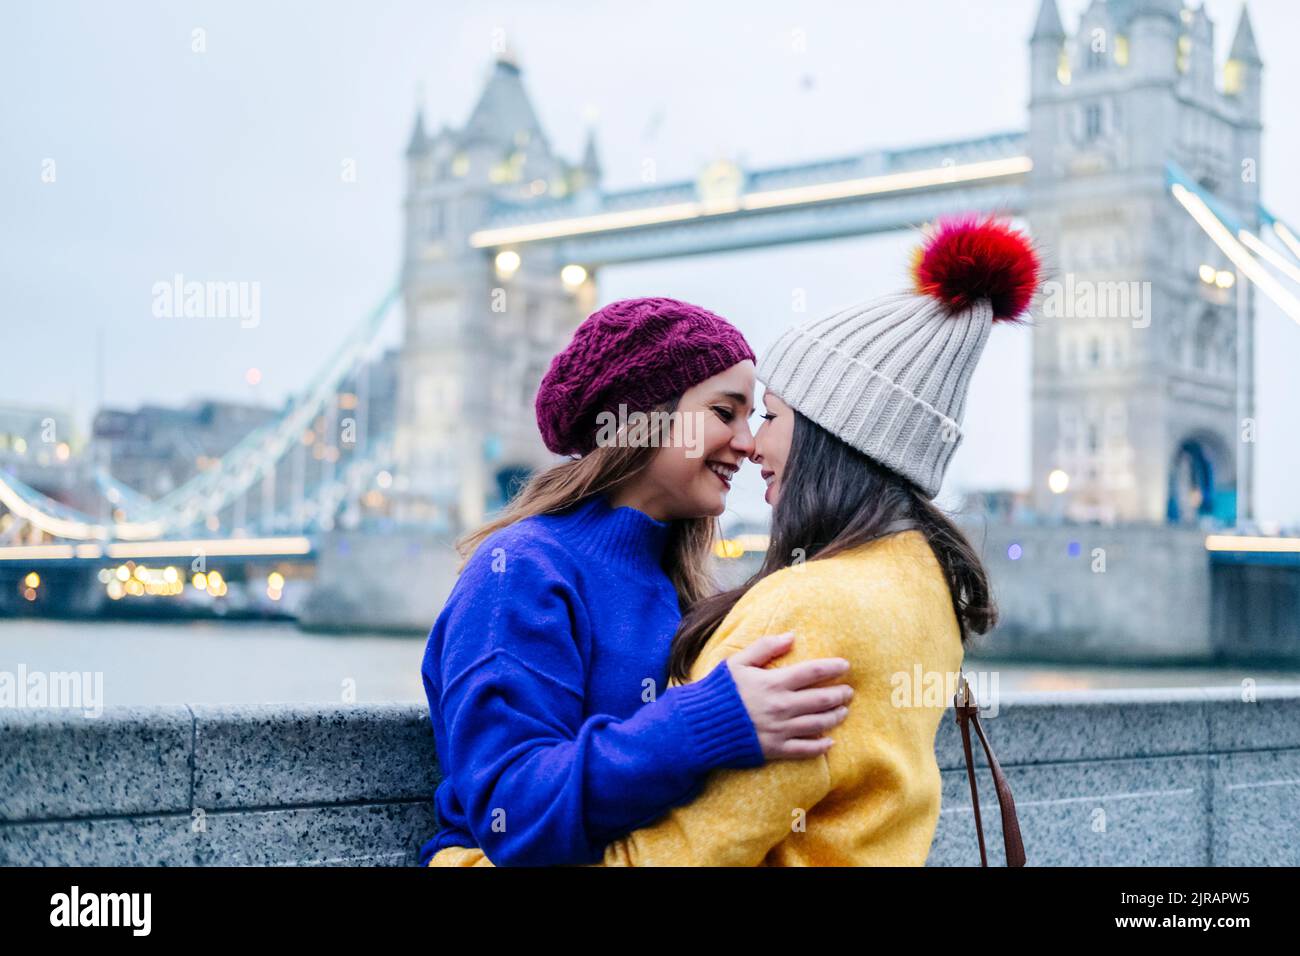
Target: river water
208 662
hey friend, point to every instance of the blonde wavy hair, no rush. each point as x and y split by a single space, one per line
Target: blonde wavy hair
607 469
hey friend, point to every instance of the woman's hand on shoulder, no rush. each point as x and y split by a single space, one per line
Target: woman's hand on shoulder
789 712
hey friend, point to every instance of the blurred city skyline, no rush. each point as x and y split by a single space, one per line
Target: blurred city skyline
226 164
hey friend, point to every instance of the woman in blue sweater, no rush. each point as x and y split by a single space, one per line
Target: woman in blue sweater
546 670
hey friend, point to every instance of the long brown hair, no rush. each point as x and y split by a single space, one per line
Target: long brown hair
833 499
605 469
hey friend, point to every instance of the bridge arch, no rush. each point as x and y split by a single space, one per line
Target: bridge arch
1201 480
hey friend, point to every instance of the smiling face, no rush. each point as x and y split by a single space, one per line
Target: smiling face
772 444
708 439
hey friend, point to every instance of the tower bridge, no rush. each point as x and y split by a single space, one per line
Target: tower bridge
1138 165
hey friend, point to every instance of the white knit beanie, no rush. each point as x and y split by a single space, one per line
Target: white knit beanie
889 376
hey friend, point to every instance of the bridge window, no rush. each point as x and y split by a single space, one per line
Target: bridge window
1203 345
1116 421
533 326
1115 357
1233 77
1063 67
1092 121
1069 429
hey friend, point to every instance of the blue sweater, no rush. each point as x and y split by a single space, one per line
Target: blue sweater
546 675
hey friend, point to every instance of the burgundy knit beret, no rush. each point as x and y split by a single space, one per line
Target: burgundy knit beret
634 352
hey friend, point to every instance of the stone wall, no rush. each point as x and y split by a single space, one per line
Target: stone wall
1098 593
194 785
1140 778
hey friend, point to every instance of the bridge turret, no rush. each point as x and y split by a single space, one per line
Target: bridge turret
503 141
482 323
428 168
1242 75
419 174
591 168
418 144
1101 42
1153 31
1047 57
1196 56
1244 69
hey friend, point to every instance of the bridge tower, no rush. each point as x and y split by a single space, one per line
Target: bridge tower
480 328
1141 399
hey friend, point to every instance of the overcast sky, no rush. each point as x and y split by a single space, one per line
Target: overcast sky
225 165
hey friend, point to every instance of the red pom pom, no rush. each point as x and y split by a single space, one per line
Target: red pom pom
968 259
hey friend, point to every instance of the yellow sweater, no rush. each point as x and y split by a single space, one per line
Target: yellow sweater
873 799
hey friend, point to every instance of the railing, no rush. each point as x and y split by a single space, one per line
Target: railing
1113 778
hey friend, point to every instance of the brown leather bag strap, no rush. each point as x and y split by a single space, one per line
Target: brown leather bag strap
967 713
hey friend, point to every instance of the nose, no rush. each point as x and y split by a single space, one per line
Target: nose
743 440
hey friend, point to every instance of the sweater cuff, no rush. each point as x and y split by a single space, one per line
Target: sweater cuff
723 733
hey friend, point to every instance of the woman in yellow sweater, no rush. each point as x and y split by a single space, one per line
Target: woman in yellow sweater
863 414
